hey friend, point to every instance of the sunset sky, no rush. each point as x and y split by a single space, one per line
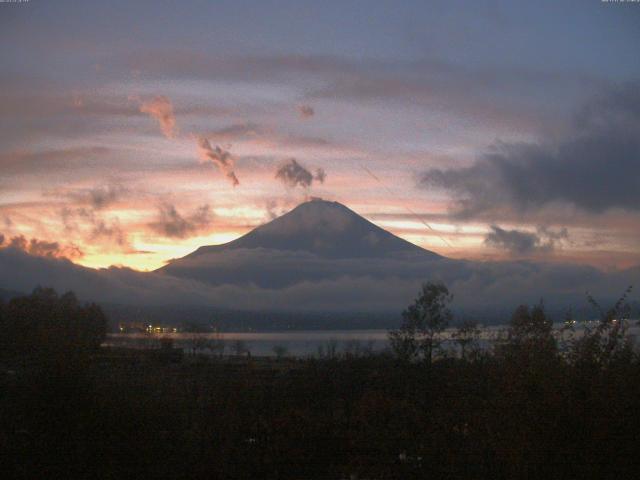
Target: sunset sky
135 132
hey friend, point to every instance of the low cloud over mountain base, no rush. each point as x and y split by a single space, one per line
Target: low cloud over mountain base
336 286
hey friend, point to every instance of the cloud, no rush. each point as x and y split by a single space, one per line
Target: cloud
161 109
553 236
306 111
492 93
236 131
50 99
102 196
270 207
98 197
275 207
519 242
219 157
67 218
515 241
172 224
112 232
94 229
20 163
292 174
594 168
42 248
349 283
267 138
386 285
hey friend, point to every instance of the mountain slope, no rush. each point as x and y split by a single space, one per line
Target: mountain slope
325 229
317 240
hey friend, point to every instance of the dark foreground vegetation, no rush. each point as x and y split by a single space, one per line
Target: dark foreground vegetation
531 407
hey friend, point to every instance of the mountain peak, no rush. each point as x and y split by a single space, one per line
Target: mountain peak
324 228
319 210
316 216
319 204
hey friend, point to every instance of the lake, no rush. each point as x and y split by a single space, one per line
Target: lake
299 343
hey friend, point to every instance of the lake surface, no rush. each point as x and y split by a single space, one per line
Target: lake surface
297 343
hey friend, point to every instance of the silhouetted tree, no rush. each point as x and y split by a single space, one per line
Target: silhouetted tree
423 322
608 340
527 324
280 351
530 334
44 322
329 350
404 343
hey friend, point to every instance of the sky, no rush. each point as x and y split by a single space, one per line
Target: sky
132 133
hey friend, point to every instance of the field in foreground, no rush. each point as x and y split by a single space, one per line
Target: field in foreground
126 414
531 405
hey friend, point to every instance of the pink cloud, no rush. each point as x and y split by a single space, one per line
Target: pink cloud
161 109
42 248
293 174
306 111
219 157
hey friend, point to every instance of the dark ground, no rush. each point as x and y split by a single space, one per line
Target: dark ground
128 414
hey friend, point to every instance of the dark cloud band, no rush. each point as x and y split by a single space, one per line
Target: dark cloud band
594 168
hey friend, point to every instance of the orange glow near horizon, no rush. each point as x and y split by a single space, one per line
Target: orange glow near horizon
149 256
147 250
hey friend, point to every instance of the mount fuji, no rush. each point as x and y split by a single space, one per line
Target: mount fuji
317 240
326 229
